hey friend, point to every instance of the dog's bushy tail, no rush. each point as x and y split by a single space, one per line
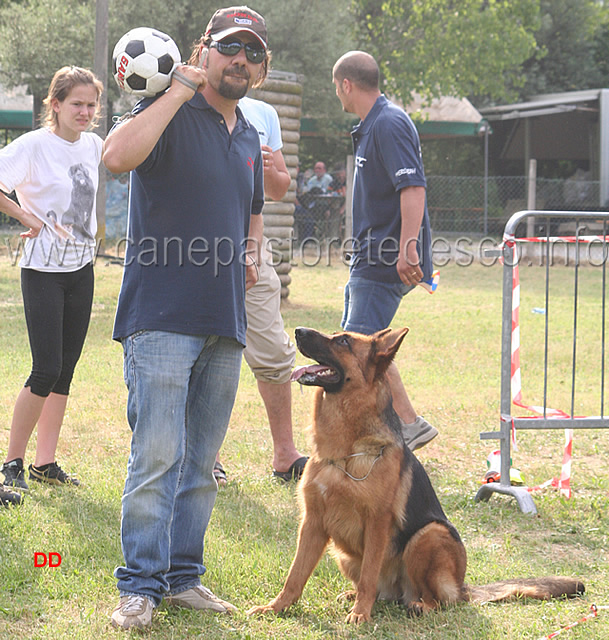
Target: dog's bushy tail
538 588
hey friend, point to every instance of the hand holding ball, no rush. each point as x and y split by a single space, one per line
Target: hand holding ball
143 61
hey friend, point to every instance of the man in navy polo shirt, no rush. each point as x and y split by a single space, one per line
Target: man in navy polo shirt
392 236
194 238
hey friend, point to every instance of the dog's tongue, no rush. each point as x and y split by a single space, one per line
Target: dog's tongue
298 372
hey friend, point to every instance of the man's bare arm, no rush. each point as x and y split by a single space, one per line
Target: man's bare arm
276 176
129 144
412 208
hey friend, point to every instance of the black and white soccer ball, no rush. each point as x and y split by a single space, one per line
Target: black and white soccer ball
143 61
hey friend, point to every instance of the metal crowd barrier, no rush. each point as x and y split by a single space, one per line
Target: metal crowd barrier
582 222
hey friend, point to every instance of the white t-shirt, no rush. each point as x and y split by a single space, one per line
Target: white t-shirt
264 117
57 181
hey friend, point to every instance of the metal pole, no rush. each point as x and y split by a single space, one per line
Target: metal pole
531 196
100 67
486 128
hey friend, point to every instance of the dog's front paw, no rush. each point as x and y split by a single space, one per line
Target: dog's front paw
357 617
261 610
415 609
274 606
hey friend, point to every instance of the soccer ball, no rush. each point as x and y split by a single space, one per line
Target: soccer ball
143 61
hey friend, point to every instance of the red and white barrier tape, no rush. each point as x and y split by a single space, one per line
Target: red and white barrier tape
593 614
564 482
569 239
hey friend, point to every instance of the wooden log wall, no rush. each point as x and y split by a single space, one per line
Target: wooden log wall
284 91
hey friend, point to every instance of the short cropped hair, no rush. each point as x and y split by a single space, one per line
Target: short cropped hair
360 68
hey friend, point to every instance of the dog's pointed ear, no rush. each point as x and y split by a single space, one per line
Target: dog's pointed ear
386 343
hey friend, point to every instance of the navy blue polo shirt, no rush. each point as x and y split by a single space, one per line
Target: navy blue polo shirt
189 212
387 159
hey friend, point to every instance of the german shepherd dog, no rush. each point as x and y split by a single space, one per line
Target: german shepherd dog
366 492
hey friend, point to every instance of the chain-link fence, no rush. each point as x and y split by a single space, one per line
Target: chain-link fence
475 205
466 205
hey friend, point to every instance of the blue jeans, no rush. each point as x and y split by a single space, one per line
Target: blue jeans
371 305
181 393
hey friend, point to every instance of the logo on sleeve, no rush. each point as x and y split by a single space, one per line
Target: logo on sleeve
407 171
360 161
250 163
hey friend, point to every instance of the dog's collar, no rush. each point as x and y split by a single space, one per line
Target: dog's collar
334 463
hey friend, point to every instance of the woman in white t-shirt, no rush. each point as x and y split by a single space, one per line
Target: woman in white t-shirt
54 174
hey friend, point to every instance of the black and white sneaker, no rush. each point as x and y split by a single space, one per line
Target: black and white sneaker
418 433
14 474
52 473
8 497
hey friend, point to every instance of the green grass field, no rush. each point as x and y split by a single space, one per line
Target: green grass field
450 363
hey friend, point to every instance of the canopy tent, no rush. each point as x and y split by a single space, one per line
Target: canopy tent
15 108
446 117
560 126
443 117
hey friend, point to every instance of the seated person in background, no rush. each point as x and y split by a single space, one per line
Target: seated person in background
339 182
318 185
328 213
301 180
321 179
303 217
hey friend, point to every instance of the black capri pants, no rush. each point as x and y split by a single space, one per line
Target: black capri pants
57 312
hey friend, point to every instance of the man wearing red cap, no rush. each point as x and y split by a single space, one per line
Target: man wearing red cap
194 238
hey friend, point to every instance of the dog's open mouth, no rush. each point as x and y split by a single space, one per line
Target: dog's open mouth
319 375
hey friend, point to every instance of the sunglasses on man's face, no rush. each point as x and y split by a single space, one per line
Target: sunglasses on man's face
252 53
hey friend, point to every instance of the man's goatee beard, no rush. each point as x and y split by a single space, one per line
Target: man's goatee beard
232 92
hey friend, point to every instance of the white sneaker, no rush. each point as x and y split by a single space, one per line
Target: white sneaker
200 598
418 433
133 612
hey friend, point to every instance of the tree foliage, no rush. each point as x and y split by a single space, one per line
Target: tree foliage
448 47
572 48
38 37
493 50
601 49
307 37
